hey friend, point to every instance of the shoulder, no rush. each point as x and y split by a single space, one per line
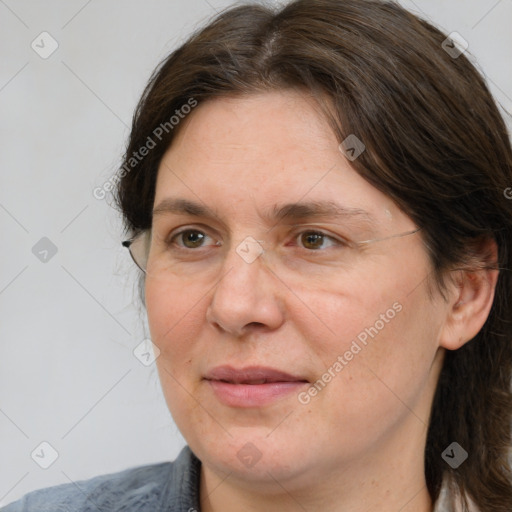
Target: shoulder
99 493
141 488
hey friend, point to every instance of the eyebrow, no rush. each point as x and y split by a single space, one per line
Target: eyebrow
294 211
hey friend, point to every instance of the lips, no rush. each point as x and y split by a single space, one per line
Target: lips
253 386
252 375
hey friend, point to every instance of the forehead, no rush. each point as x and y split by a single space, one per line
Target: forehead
234 154
273 126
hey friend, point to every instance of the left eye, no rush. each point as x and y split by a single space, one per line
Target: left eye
315 239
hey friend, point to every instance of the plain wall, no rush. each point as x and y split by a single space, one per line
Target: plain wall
68 326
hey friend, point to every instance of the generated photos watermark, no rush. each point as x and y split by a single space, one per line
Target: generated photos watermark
357 345
454 455
151 142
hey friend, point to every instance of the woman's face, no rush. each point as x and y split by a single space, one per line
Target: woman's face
355 320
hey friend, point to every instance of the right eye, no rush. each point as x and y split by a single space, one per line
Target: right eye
189 239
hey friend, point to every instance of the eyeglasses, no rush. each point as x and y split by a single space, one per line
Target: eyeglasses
139 247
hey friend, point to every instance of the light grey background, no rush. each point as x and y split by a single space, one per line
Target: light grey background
68 327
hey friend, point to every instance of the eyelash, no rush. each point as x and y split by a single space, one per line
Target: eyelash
171 239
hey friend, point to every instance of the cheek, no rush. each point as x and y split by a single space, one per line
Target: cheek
329 321
373 350
175 319
171 310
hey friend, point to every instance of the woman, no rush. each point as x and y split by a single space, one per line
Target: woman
317 199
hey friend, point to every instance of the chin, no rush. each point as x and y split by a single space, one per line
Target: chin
256 457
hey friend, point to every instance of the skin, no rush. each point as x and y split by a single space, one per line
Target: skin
358 444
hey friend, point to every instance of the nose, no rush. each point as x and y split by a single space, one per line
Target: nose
248 296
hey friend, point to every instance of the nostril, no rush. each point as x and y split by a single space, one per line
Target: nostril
257 325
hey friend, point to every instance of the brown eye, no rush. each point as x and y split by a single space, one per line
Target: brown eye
191 238
314 240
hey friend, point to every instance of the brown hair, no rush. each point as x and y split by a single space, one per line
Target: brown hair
435 143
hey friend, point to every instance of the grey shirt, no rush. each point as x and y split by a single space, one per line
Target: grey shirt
162 487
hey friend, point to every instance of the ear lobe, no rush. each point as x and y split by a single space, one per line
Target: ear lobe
471 298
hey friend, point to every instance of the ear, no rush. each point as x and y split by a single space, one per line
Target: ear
471 297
